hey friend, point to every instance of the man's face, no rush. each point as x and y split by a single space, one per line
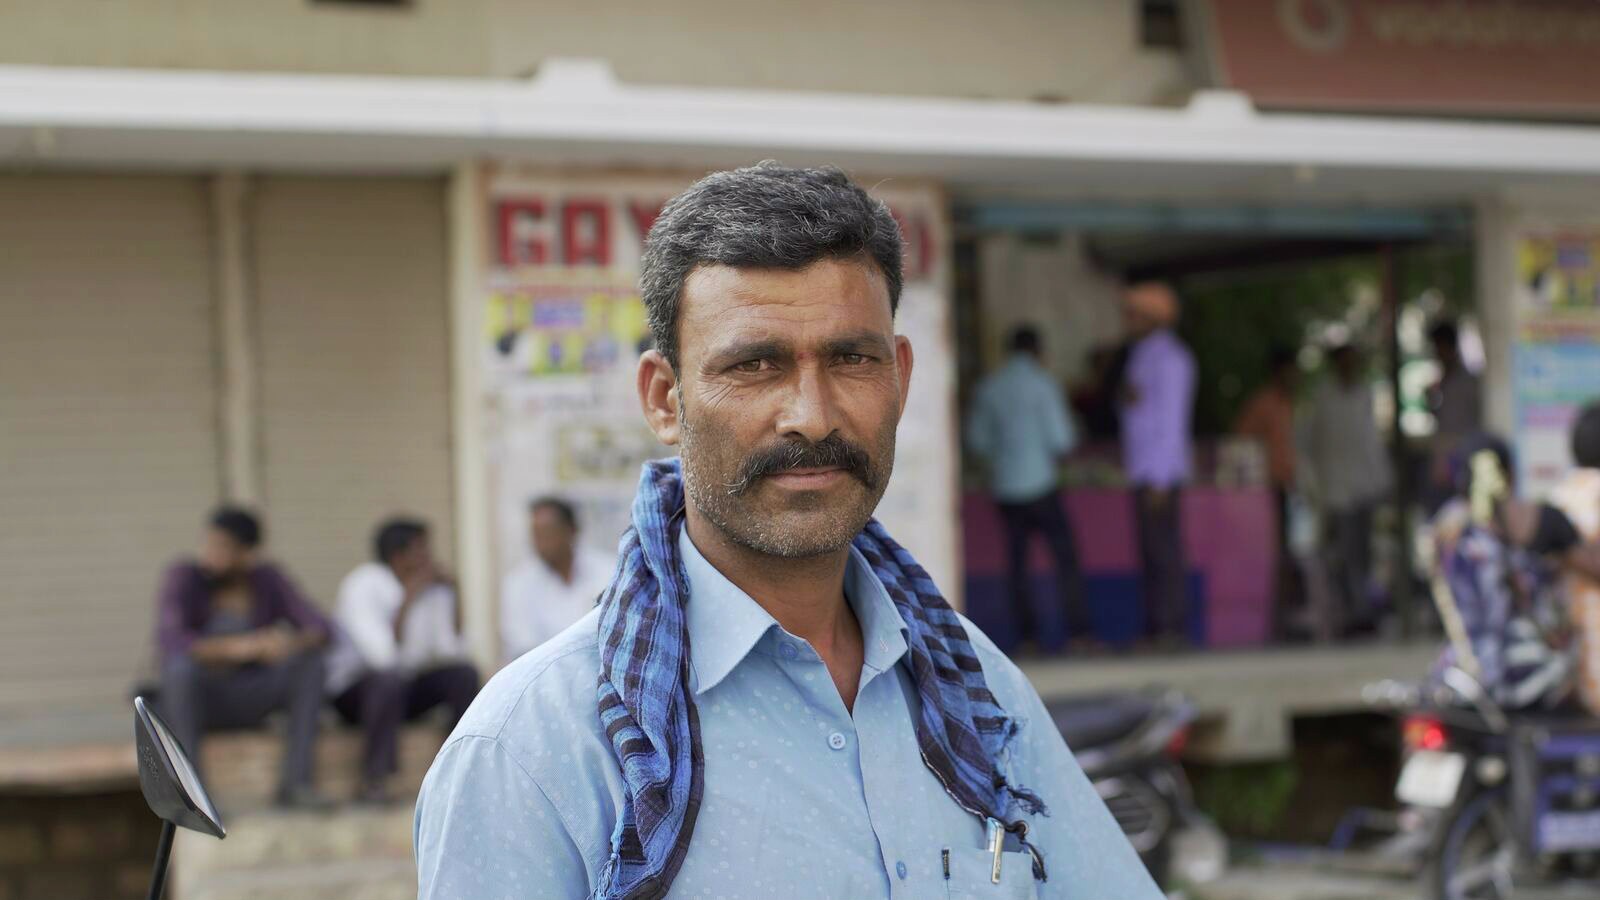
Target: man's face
221 554
553 538
1149 307
415 558
1137 321
790 385
1446 352
1347 363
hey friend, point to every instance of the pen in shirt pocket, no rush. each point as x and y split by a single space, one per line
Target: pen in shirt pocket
944 858
997 844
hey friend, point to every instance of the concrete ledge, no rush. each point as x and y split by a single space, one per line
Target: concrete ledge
1247 699
241 767
75 769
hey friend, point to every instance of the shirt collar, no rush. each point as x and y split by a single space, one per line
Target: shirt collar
1023 362
725 624
883 629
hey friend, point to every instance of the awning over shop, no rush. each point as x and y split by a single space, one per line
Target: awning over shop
1354 223
575 112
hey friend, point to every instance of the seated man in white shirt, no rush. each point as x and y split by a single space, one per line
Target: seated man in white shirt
400 652
557 586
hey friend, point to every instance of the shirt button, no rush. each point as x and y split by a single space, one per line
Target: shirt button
787 650
836 741
900 869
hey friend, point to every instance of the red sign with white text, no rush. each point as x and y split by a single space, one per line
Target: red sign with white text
1485 57
531 229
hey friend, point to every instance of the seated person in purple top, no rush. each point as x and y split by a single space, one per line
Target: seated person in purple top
239 641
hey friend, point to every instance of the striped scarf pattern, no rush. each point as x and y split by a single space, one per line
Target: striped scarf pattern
649 715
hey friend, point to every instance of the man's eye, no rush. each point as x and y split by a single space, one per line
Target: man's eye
854 359
750 366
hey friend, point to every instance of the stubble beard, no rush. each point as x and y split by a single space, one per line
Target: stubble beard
811 524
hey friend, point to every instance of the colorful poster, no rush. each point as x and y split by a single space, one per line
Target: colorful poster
1556 361
564 326
552 329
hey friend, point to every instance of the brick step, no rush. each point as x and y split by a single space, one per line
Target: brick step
346 880
267 839
241 768
351 853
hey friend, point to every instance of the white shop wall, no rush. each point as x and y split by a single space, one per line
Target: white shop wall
1051 284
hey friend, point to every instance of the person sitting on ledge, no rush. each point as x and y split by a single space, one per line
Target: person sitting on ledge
239 641
400 652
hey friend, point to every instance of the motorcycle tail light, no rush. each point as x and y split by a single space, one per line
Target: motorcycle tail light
1177 743
1424 733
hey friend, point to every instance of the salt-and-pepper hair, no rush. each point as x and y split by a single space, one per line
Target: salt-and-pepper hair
763 216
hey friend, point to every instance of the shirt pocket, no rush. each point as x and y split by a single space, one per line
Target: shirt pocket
971 872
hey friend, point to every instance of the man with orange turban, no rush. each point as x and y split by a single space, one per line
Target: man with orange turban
1158 398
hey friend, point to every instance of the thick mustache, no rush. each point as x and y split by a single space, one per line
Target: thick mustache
832 452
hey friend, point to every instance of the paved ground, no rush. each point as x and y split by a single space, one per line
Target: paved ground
1298 882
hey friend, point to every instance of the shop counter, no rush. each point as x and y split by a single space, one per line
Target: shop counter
1230 544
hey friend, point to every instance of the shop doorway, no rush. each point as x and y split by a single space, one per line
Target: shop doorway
1255 283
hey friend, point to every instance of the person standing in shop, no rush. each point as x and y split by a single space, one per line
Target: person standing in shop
1019 426
1157 406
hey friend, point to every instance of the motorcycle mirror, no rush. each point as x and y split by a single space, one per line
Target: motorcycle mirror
171 787
169 781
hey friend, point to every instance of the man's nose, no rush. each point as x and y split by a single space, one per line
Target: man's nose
808 409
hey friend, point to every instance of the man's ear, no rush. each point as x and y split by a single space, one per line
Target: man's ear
903 360
658 396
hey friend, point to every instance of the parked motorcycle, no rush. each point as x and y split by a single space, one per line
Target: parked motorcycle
1500 782
1496 801
1129 745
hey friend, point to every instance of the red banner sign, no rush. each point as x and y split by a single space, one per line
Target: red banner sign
1492 57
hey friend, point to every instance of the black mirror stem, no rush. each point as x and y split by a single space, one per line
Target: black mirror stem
158 878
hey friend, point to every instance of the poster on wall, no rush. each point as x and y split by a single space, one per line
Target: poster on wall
1557 354
564 327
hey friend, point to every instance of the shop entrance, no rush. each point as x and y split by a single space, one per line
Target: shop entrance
1256 284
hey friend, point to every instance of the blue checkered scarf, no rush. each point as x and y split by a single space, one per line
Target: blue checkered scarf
649 713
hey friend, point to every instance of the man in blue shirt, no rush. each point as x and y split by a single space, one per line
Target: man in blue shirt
1020 427
771 699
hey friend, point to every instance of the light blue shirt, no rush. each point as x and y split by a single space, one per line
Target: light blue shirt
802 799
1020 426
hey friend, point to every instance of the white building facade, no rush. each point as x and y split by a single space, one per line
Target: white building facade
255 253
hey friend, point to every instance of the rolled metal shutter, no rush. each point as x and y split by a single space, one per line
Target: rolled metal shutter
352 304
108 429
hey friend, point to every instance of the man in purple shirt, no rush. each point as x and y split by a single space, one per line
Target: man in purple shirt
239 641
1158 397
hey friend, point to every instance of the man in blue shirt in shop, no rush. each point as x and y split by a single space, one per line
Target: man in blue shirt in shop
1019 426
771 699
